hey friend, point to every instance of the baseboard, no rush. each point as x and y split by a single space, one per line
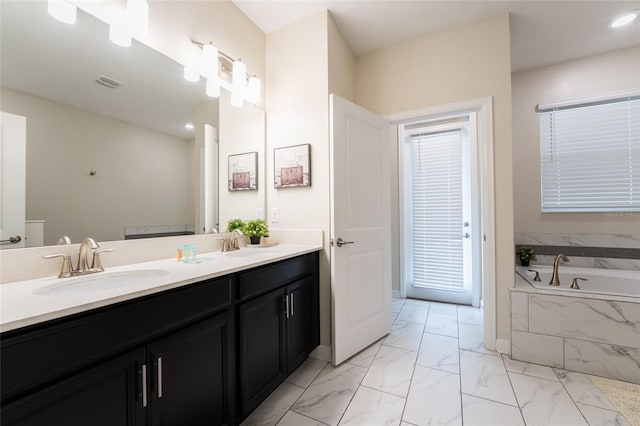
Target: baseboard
503 346
322 352
395 293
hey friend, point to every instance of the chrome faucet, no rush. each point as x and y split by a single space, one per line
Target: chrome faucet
82 267
231 242
555 279
83 260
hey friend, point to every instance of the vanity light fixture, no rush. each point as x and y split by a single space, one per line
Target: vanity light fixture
253 89
63 11
222 71
624 19
238 83
134 22
137 16
191 75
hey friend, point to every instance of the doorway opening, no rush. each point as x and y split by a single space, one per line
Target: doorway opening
440 210
479 120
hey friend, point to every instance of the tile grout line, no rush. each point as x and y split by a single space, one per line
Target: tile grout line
404 407
515 395
571 398
305 389
460 369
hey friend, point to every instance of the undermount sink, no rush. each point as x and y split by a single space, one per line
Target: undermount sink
250 253
101 281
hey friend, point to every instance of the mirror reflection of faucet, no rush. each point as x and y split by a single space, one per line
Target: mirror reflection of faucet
82 267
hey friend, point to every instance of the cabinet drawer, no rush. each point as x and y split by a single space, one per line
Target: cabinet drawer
266 278
40 354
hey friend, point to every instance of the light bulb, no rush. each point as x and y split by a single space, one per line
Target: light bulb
138 17
239 77
191 75
210 60
189 126
253 90
213 87
63 11
120 35
625 19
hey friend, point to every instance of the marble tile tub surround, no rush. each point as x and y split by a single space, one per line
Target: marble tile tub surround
606 251
488 389
28 264
588 335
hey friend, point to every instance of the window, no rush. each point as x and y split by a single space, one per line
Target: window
590 155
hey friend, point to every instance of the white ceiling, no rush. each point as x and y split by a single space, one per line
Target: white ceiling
542 32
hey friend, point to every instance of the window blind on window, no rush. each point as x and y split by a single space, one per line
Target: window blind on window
590 157
436 185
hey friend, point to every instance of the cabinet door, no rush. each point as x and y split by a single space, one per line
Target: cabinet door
192 374
262 364
109 395
300 322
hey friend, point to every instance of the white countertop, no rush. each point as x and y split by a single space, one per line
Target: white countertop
24 303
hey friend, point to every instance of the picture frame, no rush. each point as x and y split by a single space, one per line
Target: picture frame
242 172
292 166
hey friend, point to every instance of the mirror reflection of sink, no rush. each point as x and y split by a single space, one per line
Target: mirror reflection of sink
249 253
101 281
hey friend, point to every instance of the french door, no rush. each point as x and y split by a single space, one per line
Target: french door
441 214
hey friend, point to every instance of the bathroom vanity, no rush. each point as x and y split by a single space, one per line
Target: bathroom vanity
204 351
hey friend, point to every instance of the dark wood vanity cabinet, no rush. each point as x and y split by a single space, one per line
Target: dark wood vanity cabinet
173 358
277 329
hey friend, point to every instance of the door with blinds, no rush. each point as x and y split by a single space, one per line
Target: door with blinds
440 212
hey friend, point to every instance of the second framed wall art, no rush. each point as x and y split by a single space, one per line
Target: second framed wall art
292 166
242 172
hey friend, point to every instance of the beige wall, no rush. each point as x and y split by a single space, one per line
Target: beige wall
172 25
458 64
596 75
342 64
297 105
142 176
243 130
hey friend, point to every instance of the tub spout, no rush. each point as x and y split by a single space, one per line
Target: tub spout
555 279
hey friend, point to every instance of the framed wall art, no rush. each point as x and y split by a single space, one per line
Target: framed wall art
242 172
292 166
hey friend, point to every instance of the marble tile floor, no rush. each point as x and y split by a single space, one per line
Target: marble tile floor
434 370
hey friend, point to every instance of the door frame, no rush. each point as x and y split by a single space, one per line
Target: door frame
483 107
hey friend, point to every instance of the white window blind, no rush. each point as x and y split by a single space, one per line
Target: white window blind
590 156
436 185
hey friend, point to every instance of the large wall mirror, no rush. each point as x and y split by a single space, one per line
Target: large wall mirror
117 162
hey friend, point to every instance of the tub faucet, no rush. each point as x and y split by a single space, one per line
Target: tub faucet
555 279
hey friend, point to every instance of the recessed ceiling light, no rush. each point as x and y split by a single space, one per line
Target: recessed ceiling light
625 19
189 126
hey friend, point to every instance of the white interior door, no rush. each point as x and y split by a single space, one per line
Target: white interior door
13 142
360 228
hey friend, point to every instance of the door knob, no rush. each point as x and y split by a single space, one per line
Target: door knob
340 242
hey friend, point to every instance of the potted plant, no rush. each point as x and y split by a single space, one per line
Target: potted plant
254 229
525 254
235 224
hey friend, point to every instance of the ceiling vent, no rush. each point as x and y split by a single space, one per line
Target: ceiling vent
107 82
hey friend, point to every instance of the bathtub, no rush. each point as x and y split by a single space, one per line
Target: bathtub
593 330
600 281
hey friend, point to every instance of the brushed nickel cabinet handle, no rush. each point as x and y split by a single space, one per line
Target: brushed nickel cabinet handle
144 386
